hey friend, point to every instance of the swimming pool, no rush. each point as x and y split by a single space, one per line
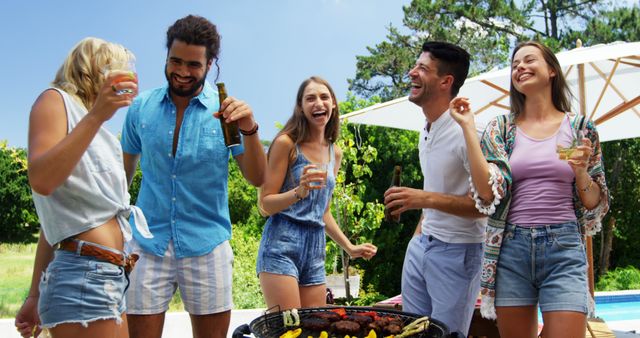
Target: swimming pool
621 305
615 306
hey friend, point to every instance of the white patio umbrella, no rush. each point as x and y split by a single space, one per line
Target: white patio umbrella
611 95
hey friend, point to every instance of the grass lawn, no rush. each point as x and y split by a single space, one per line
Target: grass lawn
16 264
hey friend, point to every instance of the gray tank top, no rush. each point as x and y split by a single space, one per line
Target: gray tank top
95 192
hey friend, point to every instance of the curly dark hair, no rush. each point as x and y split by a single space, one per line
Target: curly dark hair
196 30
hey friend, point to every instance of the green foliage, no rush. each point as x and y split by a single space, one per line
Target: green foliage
246 286
486 29
369 297
18 218
134 188
243 202
620 279
367 175
622 170
619 24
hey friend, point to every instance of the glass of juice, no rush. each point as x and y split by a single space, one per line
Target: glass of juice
128 66
320 169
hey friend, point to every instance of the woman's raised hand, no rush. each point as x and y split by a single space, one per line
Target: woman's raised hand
460 110
111 97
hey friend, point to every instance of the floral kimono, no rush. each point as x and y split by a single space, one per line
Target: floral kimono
497 145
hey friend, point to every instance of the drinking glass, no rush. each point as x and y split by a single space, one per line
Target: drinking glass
566 153
128 66
321 170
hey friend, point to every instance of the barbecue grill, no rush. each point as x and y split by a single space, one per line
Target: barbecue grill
271 325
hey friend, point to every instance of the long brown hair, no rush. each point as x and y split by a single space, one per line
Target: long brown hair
560 92
297 127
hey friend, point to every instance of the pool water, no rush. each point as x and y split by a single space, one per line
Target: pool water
618 307
615 307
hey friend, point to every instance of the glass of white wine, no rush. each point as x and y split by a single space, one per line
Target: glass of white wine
566 153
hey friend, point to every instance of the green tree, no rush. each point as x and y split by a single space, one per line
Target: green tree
618 24
622 169
392 146
243 202
18 218
486 28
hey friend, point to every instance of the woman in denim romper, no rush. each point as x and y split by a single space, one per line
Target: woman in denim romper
297 195
80 193
539 203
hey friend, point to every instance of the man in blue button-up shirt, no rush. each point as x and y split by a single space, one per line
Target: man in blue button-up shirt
183 193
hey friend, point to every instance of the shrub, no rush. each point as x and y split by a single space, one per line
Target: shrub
620 279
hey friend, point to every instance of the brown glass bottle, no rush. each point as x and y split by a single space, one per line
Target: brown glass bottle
229 130
395 182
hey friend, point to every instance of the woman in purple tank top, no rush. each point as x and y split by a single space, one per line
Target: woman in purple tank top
539 203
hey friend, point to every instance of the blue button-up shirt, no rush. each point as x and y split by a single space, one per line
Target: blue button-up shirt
184 197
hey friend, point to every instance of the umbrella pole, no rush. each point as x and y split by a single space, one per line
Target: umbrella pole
589 241
583 112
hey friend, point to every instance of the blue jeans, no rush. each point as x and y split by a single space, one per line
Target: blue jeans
545 265
81 289
293 249
442 280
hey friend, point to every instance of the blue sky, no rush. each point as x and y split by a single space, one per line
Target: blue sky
268 47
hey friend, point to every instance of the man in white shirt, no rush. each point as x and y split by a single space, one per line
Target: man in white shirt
442 266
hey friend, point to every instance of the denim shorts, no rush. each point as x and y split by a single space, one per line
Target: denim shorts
543 265
289 248
81 289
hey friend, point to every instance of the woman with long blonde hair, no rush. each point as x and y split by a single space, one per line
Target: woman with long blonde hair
80 193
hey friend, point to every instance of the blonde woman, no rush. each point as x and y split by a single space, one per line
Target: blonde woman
80 193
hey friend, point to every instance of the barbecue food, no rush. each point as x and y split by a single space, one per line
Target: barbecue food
392 329
328 315
363 321
345 327
387 325
316 324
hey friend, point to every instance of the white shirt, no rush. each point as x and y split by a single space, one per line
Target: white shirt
94 192
445 167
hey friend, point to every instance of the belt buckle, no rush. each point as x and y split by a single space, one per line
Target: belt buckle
130 262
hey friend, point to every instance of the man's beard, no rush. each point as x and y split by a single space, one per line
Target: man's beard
188 92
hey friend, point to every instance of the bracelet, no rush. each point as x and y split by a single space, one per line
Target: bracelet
250 132
588 188
295 193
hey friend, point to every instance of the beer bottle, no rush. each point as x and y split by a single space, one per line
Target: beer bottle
230 130
395 182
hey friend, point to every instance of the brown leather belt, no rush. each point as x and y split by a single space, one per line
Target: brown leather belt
128 262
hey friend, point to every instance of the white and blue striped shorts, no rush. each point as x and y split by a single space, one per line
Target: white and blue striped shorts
204 281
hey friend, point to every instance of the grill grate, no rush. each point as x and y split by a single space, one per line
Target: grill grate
271 325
